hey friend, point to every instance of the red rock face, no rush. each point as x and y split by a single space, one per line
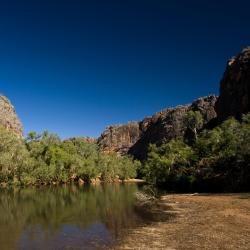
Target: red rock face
119 138
169 124
234 97
8 117
134 138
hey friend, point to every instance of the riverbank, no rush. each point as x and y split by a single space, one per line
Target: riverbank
213 221
80 182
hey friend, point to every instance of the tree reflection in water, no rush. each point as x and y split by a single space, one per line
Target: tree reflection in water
66 217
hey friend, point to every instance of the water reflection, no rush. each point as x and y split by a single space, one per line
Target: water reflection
67 217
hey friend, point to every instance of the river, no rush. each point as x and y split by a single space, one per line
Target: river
67 217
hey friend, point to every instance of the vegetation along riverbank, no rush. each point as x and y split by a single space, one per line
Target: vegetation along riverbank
46 159
217 160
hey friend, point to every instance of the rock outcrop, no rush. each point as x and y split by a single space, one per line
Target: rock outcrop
119 138
169 124
135 137
8 117
234 99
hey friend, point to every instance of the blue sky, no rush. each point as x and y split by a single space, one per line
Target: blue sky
73 67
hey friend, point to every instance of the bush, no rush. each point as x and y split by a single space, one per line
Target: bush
45 159
168 163
218 160
14 157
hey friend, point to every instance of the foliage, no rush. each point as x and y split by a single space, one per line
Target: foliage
168 162
14 157
194 121
224 154
218 160
46 159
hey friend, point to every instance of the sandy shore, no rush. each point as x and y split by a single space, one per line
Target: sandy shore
199 222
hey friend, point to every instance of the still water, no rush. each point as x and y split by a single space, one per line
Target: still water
68 217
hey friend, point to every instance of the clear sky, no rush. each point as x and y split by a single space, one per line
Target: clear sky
73 67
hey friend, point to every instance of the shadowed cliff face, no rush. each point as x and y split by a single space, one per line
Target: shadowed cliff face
134 138
8 117
234 97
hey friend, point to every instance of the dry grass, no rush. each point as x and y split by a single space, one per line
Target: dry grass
201 222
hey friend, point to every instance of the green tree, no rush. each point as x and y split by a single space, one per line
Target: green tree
194 121
71 159
168 162
224 155
14 157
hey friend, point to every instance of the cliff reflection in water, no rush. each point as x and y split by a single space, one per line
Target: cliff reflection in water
71 217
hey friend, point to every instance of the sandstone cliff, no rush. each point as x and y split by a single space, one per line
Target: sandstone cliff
234 97
135 137
8 117
169 124
234 100
119 138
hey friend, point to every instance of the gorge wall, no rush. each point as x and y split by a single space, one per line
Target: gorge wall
120 138
234 100
169 124
8 117
134 137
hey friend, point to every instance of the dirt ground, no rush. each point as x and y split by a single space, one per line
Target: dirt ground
198 222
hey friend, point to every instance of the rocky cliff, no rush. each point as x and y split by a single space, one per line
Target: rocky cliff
8 117
169 124
234 99
120 138
134 137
